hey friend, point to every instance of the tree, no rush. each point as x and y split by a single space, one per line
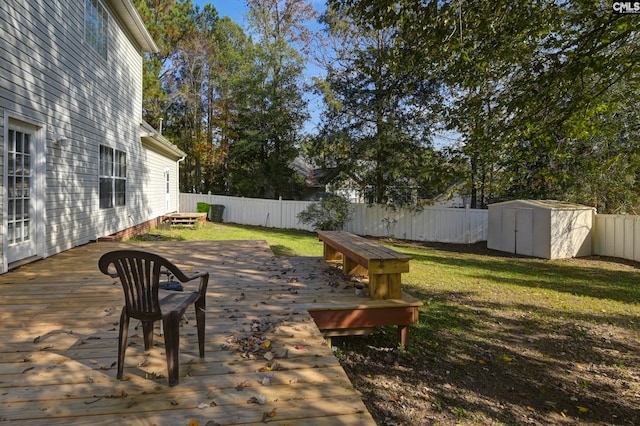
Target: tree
169 23
523 79
269 122
375 133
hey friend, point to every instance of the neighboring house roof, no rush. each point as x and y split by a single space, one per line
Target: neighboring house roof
310 174
152 137
132 21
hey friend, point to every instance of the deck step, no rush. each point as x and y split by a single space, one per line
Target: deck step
186 220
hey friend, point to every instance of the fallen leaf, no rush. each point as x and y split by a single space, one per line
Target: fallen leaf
482 362
582 409
260 399
243 385
507 358
268 415
530 408
193 423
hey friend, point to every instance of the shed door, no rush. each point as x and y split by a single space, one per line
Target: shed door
517 230
20 193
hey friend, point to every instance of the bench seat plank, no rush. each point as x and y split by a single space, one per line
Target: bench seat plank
361 256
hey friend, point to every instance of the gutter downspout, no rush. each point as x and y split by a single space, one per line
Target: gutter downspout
178 175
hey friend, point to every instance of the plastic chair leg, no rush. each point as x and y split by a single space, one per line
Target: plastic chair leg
122 341
172 345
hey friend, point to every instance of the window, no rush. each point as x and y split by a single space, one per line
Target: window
95 26
113 177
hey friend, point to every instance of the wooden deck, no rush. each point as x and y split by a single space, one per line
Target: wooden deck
58 343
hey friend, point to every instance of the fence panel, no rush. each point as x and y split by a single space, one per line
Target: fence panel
616 236
433 224
612 235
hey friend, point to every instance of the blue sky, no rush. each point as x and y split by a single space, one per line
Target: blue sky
236 9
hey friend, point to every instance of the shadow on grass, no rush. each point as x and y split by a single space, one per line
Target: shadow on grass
504 363
282 250
571 276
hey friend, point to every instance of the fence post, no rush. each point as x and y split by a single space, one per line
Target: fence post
465 224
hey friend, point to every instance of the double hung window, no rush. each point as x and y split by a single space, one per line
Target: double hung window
95 26
113 177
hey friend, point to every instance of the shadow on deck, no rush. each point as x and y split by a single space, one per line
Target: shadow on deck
265 359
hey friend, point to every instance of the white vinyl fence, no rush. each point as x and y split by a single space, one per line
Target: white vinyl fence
612 235
616 236
434 224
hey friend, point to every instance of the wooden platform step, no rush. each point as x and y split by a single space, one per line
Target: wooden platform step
186 220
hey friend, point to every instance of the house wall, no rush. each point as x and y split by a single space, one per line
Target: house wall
155 182
49 76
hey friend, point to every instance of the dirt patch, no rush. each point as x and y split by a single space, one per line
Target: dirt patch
484 364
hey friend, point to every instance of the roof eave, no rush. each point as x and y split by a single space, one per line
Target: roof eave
155 139
130 17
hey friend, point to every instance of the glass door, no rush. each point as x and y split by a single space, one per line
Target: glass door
20 236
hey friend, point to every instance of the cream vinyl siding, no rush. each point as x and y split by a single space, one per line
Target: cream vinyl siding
157 164
48 74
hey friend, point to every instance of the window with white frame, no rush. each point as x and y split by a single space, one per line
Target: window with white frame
95 26
113 177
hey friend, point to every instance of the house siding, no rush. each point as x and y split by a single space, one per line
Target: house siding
49 75
157 164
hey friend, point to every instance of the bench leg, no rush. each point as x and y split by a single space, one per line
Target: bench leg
403 335
350 267
331 254
385 286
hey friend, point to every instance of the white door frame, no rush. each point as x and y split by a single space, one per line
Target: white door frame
37 186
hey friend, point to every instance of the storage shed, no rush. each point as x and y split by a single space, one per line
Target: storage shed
541 228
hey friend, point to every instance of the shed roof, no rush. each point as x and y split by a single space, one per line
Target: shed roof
548 204
132 21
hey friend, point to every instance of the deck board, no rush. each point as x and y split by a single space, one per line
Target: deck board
58 343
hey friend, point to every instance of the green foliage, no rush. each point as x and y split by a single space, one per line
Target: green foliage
375 133
235 106
329 214
526 85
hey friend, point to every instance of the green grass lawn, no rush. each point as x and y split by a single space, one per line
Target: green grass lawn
283 242
573 285
501 339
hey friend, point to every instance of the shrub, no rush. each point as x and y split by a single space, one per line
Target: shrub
329 214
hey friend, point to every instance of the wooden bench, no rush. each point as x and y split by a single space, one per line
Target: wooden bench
360 256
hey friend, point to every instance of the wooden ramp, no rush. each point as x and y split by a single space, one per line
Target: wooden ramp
265 361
